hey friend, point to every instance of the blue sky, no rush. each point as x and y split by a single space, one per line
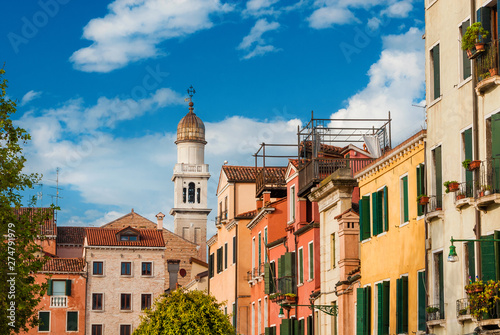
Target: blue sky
101 85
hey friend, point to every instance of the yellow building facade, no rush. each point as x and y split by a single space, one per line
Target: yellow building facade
391 296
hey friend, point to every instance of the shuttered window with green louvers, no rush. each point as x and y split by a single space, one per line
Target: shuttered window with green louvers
286 327
420 187
383 304
466 66
421 301
435 66
404 199
490 257
364 218
363 311
377 224
402 305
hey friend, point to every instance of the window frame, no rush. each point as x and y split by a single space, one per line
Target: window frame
130 269
150 300
300 270
150 269
77 321
432 69
293 196
102 268
102 301
126 325
50 323
130 309
310 259
333 255
97 325
404 196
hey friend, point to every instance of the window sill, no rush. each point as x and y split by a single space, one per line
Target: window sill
290 222
404 224
463 82
97 310
147 276
310 280
435 101
301 284
98 276
126 276
367 240
126 311
382 234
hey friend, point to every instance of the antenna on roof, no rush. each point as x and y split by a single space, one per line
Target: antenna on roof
39 195
57 197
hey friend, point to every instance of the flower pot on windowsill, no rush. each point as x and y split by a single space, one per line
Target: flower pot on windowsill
453 187
479 46
423 201
493 72
290 300
474 164
460 196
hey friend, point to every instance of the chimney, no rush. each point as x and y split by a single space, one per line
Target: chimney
266 198
173 270
259 203
159 220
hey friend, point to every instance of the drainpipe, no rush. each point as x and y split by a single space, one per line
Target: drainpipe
236 281
427 277
475 142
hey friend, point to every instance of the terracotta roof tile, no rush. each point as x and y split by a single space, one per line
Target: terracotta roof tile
294 162
324 148
246 174
48 227
107 237
64 265
70 235
247 215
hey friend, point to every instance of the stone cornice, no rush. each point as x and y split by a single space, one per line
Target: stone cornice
231 224
211 241
263 212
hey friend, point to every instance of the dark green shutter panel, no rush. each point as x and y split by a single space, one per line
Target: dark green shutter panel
420 189
360 220
49 287
488 267
301 327
375 210
495 150
285 327
386 307
366 217
272 279
466 61
405 304
468 155
296 327
44 321
472 260
289 271
72 322
441 284
399 306
368 304
436 72
484 16
421 301
68 287
360 310
497 254
380 302
405 199
267 278
260 249
386 209
309 325
439 176
267 331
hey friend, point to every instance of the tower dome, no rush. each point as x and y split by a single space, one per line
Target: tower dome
191 128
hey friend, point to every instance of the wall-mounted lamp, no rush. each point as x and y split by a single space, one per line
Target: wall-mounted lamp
453 257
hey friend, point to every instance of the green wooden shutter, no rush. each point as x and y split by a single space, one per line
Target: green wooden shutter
366 217
289 272
488 261
441 284
44 318
72 321
484 16
267 278
399 306
265 245
386 209
272 278
301 327
260 249
405 199
281 266
472 260
468 155
380 301
301 266
466 69
368 304
405 304
361 218
420 188
296 327
267 331
286 327
68 287
375 215
49 287
495 150
436 72
438 176
421 301
360 310
386 303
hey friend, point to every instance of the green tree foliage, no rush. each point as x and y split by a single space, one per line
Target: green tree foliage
187 313
20 294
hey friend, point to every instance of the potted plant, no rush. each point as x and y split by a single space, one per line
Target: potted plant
475 164
473 38
481 302
484 75
451 186
460 195
431 309
423 199
290 298
462 311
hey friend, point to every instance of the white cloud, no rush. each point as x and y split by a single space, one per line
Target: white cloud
132 30
396 82
374 23
30 96
260 7
325 17
254 39
400 9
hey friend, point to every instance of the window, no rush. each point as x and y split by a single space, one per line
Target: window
333 251
96 329
259 315
234 249
420 187
311 260
58 287
260 249
466 63
253 318
225 310
225 255
72 321
234 315
292 203
269 278
97 268
126 269
470 261
220 211
439 282
226 209
467 154
402 305
493 150
380 211
266 322
128 237
191 193
435 73
220 251
97 301
383 303
44 318
125 301
197 234
125 329
198 195
145 301
253 253
265 245
364 218
489 257
301 265
421 301
211 265
438 177
403 186
184 195
147 269
363 310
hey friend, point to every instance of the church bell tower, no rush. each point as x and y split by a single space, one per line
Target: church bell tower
190 180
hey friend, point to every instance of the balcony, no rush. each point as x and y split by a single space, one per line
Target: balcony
287 285
463 310
256 274
465 195
486 68
59 301
317 169
488 187
434 208
434 315
271 179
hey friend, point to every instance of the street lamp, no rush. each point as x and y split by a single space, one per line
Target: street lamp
453 257
328 309
281 315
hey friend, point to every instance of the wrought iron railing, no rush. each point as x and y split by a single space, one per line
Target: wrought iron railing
270 178
435 204
434 312
489 177
487 62
465 190
463 307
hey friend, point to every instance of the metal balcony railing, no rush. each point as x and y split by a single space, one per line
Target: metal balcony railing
489 177
435 204
463 307
59 301
465 190
487 61
434 312
270 179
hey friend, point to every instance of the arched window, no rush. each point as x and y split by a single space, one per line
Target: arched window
191 193
184 195
198 194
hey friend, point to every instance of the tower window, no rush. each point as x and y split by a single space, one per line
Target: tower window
198 194
191 193
184 195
